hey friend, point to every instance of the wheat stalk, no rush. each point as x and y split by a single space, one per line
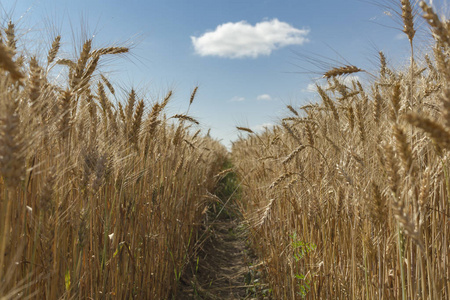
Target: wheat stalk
439 29
108 84
77 72
65 117
281 178
395 101
137 121
265 214
193 95
244 129
361 122
339 71
34 81
66 62
109 50
445 101
54 50
293 110
403 148
436 131
185 118
328 102
383 64
11 36
408 19
129 108
7 63
12 165
309 134
293 154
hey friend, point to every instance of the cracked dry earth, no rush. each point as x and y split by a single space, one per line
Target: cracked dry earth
225 268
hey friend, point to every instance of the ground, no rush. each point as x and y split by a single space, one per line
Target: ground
224 267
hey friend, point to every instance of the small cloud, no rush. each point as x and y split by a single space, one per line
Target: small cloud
265 97
262 127
241 39
401 36
237 99
310 88
348 80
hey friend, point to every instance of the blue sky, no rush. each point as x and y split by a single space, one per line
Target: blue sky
247 56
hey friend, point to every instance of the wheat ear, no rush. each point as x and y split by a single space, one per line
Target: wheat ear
436 131
439 29
345 70
292 110
12 163
108 84
408 19
244 129
7 63
137 121
54 50
35 81
11 36
293 154
193 95
328 102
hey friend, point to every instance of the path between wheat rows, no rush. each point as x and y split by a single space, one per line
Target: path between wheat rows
225 268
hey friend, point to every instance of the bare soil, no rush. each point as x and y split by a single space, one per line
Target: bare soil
224 267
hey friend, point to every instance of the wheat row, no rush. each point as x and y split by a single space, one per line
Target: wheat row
101 194
348 198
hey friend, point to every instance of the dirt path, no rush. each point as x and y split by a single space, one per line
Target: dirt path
225 267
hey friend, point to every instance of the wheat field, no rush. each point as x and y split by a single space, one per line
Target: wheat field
101 197
348 198
102 194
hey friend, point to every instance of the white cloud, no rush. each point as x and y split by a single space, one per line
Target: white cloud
400 36
348 80
238 40
265 97
262 127
310 88
237 99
